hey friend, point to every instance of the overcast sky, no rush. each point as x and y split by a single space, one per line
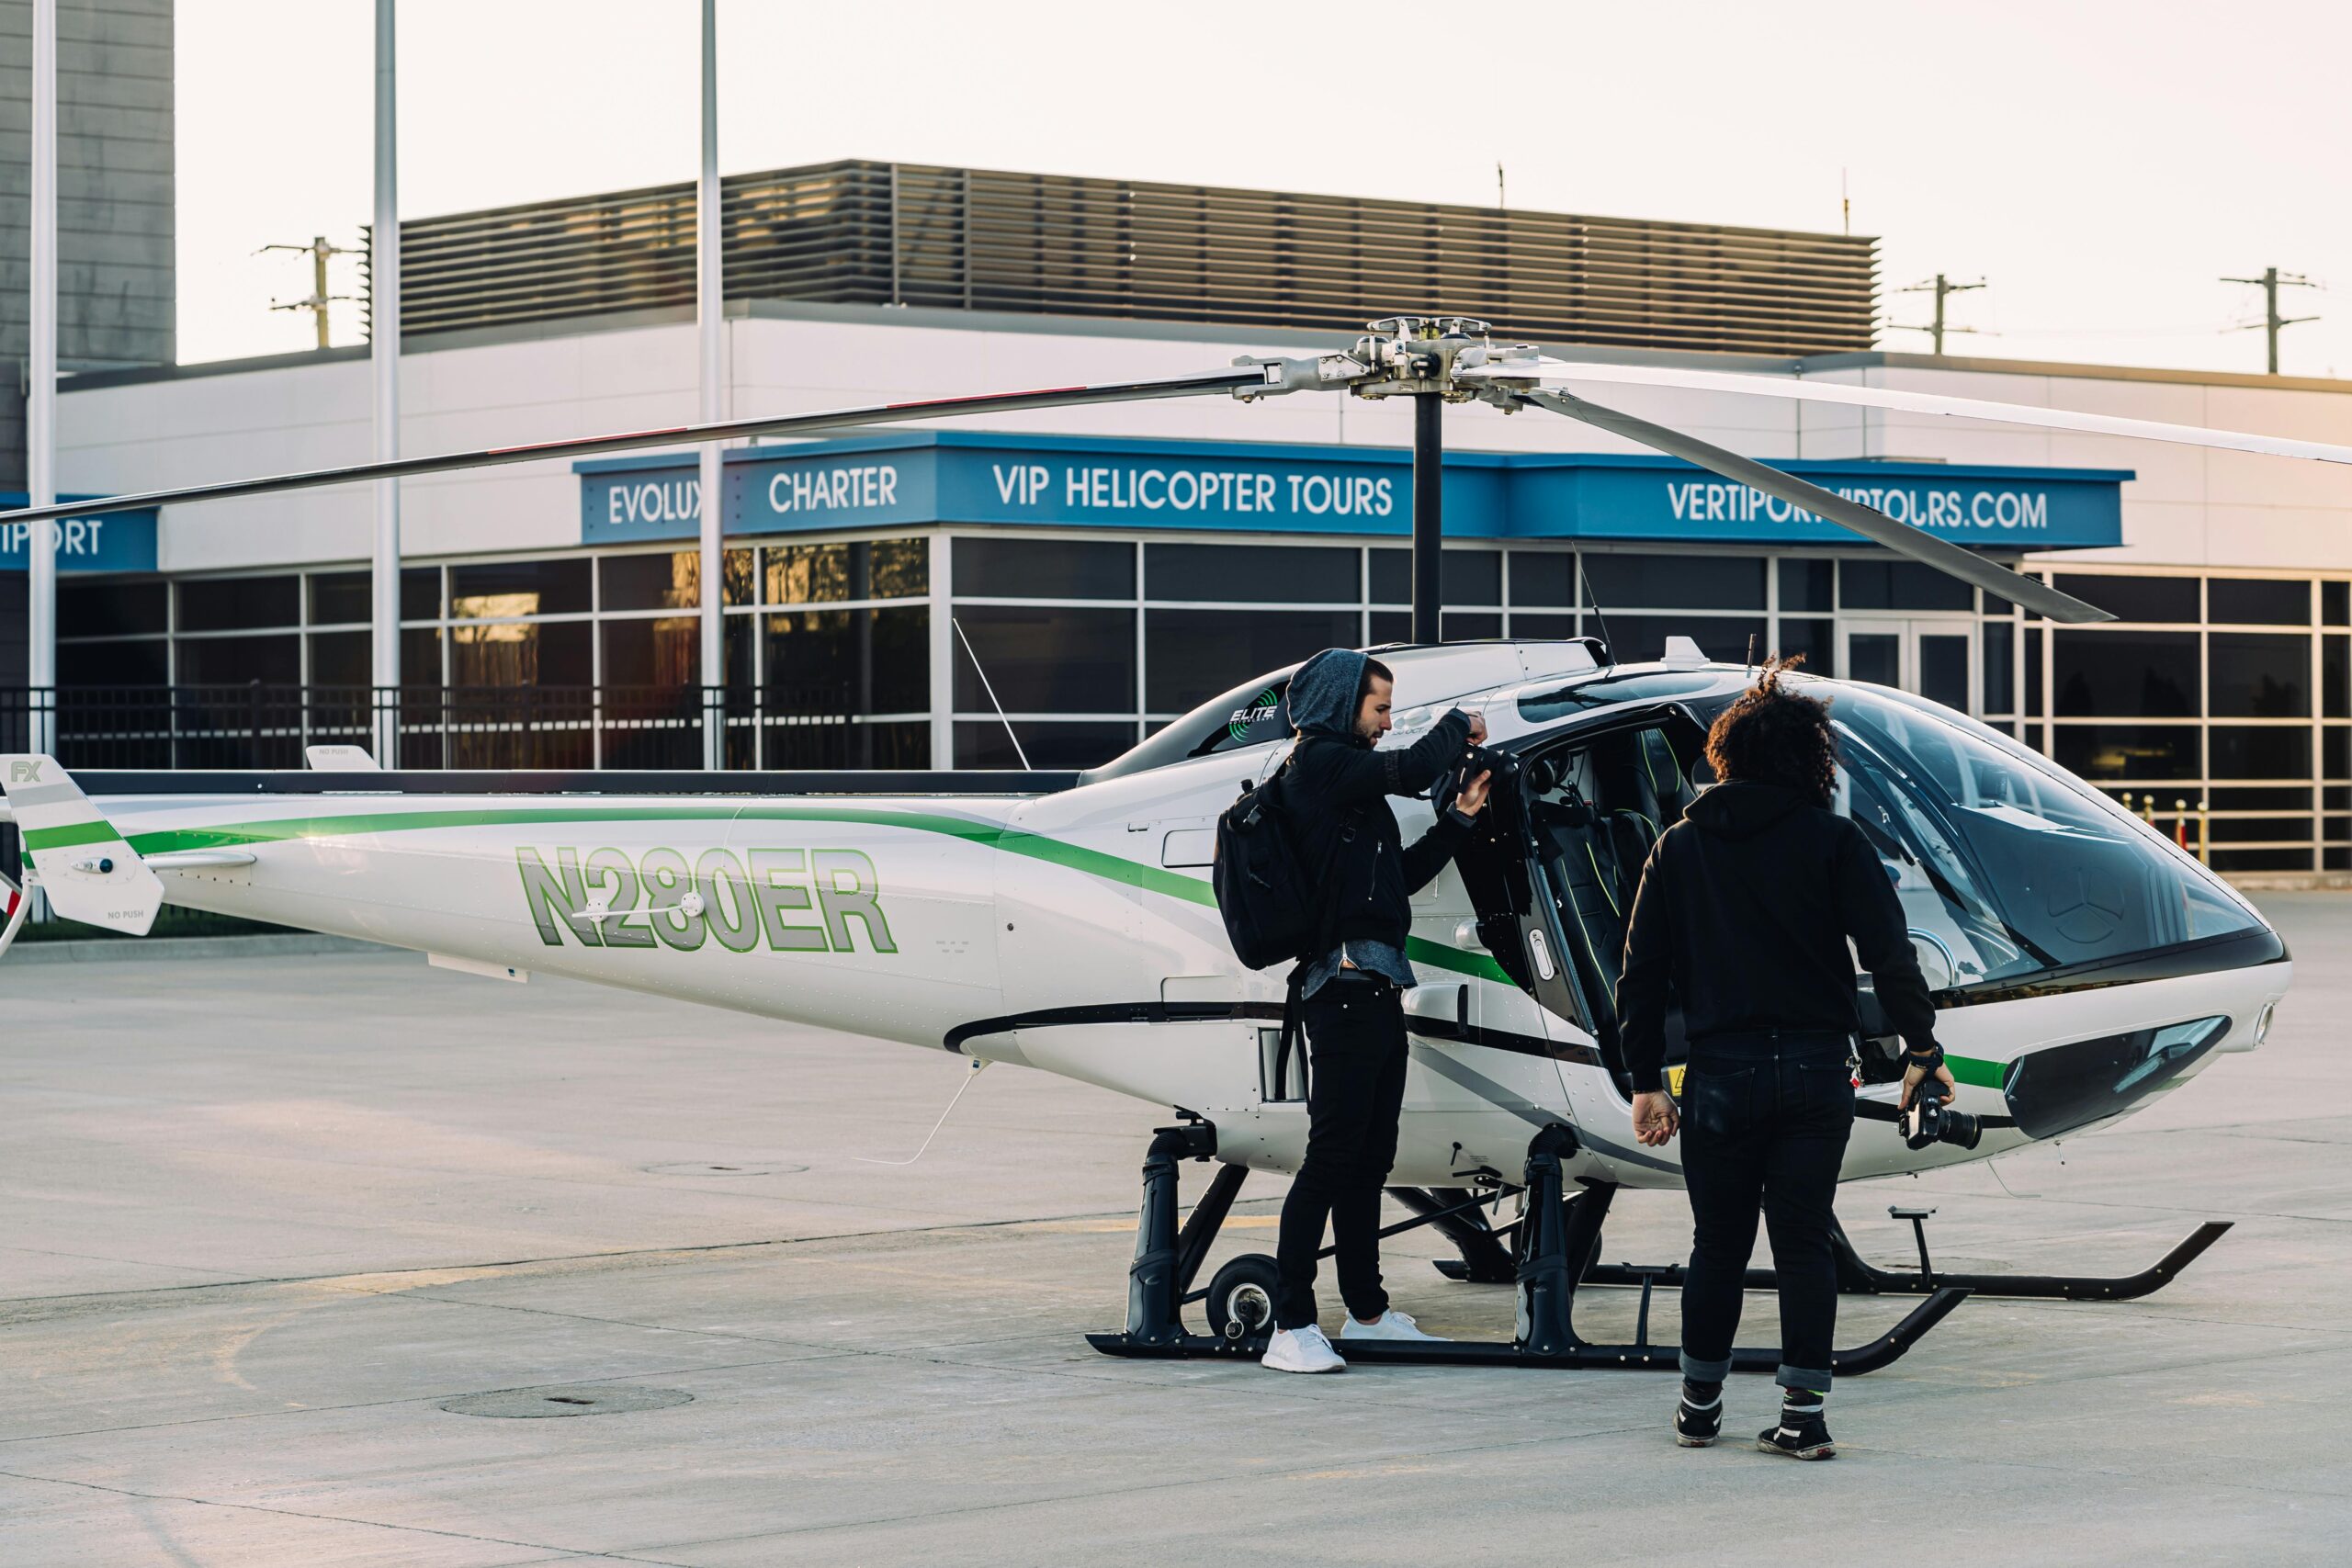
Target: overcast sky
2100 164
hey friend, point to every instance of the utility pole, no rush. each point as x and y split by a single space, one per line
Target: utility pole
2270 282
319 251
1943 289
384 328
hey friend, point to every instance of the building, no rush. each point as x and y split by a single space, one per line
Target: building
1096 571
114 298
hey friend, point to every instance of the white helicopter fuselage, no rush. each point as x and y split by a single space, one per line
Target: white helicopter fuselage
1074 932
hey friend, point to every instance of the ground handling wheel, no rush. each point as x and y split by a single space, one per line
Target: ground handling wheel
1242 1298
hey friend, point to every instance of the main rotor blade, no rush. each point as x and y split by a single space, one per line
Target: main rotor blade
1564 372
1900 537
1205 382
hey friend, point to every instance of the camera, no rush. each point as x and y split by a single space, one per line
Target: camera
1931 1119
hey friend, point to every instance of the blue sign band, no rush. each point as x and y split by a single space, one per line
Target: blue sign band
971 477
113 541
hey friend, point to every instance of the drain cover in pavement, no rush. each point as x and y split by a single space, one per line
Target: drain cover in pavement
716 1168
575 1399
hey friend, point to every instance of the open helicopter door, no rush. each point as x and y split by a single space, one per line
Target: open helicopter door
1580 814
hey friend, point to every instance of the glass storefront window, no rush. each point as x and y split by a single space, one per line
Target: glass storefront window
1047 659
1816 640
1049 745
2259 601
2259 675
1044 569
1244 574
879 657
107 608
843 570
234 660
238 604
2000 668
143 662
498 590
2140 752
1544 576
2335 603
1899 585
1692 583
345 658
1635 639
665 651
2270 751
553 653
1537 624
1474 578
2162 599
2103 674
1807 585
667 582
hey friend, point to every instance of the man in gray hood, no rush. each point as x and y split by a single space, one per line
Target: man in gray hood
1335 792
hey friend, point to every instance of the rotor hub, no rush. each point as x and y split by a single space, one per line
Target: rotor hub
1405 356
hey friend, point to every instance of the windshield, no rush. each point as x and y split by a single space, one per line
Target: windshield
2004 863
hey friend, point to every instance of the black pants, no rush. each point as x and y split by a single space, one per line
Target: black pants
1356 1038
1765 1121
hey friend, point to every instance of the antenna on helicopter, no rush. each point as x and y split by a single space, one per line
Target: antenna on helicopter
1598 614
983 674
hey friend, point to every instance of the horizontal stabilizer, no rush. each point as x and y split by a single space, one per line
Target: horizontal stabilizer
89 874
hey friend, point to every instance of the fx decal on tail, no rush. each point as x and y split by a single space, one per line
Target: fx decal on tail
82 863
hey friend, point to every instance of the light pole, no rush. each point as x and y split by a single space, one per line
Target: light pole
710 326
384 356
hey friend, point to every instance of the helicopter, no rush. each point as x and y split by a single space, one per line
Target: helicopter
2083 964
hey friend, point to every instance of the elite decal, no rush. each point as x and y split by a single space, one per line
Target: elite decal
789 900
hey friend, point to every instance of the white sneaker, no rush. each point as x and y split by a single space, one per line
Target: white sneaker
1302 1350
1393 1324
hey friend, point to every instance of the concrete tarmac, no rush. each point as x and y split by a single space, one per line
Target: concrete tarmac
264 1221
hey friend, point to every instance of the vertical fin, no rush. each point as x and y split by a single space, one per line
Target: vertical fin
88 871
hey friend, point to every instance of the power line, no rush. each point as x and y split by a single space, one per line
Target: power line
2270 282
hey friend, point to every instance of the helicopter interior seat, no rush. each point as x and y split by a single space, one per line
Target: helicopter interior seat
1599 826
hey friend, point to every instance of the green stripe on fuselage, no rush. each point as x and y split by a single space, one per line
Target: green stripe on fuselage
972 829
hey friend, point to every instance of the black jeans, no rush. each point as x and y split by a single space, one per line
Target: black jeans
1356 1038
1765 1120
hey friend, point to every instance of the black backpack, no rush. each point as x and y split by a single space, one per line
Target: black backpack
1273 911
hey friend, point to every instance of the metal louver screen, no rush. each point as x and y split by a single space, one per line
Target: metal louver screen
859 233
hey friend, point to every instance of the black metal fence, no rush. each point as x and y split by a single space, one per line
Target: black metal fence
258 725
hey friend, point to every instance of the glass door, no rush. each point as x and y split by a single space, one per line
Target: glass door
1936 659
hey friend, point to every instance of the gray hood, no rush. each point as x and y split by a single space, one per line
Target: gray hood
1322 695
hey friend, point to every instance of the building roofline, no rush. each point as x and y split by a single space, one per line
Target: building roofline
1210 333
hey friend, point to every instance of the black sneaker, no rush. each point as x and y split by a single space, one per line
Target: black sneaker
1697 1424
1798 1436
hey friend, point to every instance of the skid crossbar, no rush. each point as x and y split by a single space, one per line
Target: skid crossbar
1857 1276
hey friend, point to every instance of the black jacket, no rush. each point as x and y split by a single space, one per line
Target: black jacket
1742 915
1335 792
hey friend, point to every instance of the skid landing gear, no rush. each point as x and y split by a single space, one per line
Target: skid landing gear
1857 1276
1552 1251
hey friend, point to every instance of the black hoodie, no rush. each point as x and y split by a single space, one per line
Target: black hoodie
1744 911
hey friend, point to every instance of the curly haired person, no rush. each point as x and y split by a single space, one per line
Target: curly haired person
1743 918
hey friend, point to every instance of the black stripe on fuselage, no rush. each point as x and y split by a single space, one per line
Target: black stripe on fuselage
1269 1012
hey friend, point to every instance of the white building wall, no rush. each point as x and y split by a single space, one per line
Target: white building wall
2187 507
